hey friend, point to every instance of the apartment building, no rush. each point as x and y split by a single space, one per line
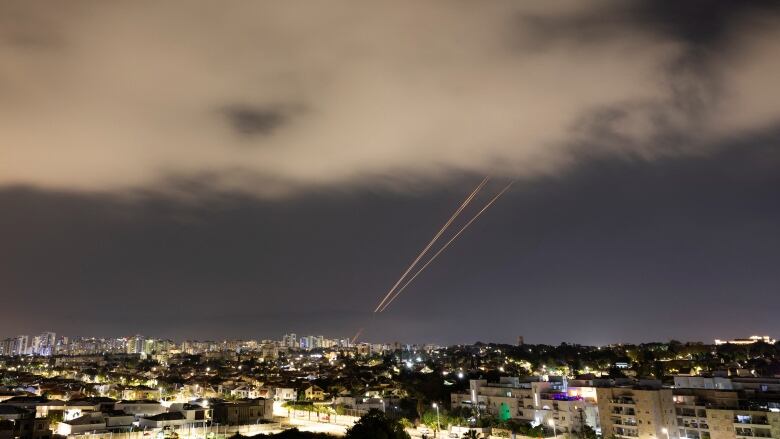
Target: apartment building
743 424
697 400
44 344
246 411
751 409
645 411
568 406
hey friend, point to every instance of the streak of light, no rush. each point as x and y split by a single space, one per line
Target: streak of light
354 339
436 237
447 244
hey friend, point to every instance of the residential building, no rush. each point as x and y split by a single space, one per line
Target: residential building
700 382
140 393
44 344
135 344
111 420
140 408
285 394
645 411
290 340
28 427
160 420
19 345
246 411
314 393
569 405
39 405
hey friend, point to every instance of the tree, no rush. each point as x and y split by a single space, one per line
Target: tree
588 432
375 425
432 421
520 427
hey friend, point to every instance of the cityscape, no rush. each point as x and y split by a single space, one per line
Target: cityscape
100 387
390 219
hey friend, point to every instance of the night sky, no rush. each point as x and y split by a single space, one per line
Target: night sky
243 170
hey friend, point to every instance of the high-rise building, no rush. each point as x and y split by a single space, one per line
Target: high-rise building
19 345
149 346
135 344
61 345
5 346
290 340
44 344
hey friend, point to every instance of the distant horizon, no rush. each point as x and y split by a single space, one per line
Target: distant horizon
306 334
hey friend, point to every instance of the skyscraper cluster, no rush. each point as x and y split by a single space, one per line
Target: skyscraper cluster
44 344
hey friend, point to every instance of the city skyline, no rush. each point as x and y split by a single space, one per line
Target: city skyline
46 341
236 169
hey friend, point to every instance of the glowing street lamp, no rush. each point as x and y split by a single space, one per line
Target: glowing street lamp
551 422
665 431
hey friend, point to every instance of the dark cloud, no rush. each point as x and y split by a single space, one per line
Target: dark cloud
704 23
701 22
705 34
251 121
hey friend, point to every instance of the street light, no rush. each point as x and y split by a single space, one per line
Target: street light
551 422
665 431
438 425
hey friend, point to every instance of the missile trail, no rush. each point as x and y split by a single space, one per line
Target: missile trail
355 338
436 237
447 244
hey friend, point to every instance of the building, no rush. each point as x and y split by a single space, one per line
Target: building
314 393
17 346
645 411
285 394
290 340
135 344
569 406
39 405
78 407
27 427
161 420
140 393
750 340
12 413
96 422
699 382
5 346
247 411
44 344
697 412
251 392
744 408
269 351
140 408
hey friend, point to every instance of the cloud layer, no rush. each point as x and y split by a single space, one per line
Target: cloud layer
271 98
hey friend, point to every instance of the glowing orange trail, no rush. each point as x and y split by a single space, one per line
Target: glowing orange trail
438 234
447 244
